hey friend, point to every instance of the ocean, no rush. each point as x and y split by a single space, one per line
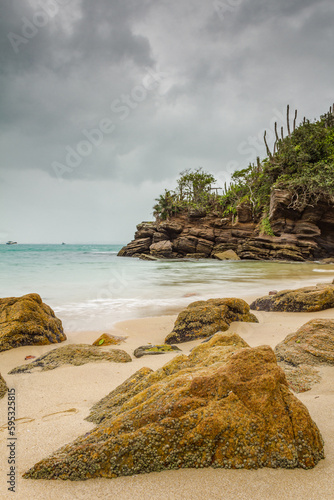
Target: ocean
90 288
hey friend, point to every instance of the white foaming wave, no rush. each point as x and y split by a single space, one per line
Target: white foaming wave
122 303
323 271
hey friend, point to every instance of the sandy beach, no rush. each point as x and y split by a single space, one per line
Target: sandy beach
52 406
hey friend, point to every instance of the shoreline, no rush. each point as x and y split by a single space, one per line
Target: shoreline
52 406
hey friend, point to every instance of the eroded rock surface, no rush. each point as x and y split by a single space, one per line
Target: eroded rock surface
307 299
203 318
27 320
226 405
296 235
76 354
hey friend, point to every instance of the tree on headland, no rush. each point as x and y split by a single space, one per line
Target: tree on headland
302 162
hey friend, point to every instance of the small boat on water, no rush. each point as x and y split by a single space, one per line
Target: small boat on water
11 243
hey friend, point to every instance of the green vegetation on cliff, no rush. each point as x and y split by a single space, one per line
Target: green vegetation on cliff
302 162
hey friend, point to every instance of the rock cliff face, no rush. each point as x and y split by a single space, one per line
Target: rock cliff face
298 235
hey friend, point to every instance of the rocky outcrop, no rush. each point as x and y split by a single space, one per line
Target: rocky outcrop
154 349
312 344
203 318
76 354
299 235
3 387
27 320
307 299
226 405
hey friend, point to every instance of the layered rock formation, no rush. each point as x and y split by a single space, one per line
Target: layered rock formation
203 318
298 235
76 354
27 320
307 299
226 405
3 387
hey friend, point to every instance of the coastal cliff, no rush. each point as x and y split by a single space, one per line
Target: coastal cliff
280 208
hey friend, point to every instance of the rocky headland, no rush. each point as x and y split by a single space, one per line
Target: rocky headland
297 235
280 208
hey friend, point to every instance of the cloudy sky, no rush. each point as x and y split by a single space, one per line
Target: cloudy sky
104 103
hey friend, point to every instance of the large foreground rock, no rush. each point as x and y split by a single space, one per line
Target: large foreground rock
312 344
76 354
308 299
27 320
226 405
204 318
3 387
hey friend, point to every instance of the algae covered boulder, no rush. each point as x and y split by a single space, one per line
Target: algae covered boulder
203 318
27 320
76 354
225 405
3 387
307 299
312 344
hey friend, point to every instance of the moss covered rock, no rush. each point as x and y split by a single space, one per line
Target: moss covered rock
225 405
203 318
27 320
3 387
307 299
76 354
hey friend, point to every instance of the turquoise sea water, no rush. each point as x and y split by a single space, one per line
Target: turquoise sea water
89 287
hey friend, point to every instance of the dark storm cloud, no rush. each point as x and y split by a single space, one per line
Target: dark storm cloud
130 91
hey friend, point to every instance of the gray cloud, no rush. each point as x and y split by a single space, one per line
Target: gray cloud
221 70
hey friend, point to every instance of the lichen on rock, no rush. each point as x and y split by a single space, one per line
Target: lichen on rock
27 320
311 344
74 354
307 299
203 318
225 405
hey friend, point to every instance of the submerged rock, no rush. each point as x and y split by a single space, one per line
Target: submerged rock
27 320
3 387
312 344
203 318
226 405
307 299
154 349
76 354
